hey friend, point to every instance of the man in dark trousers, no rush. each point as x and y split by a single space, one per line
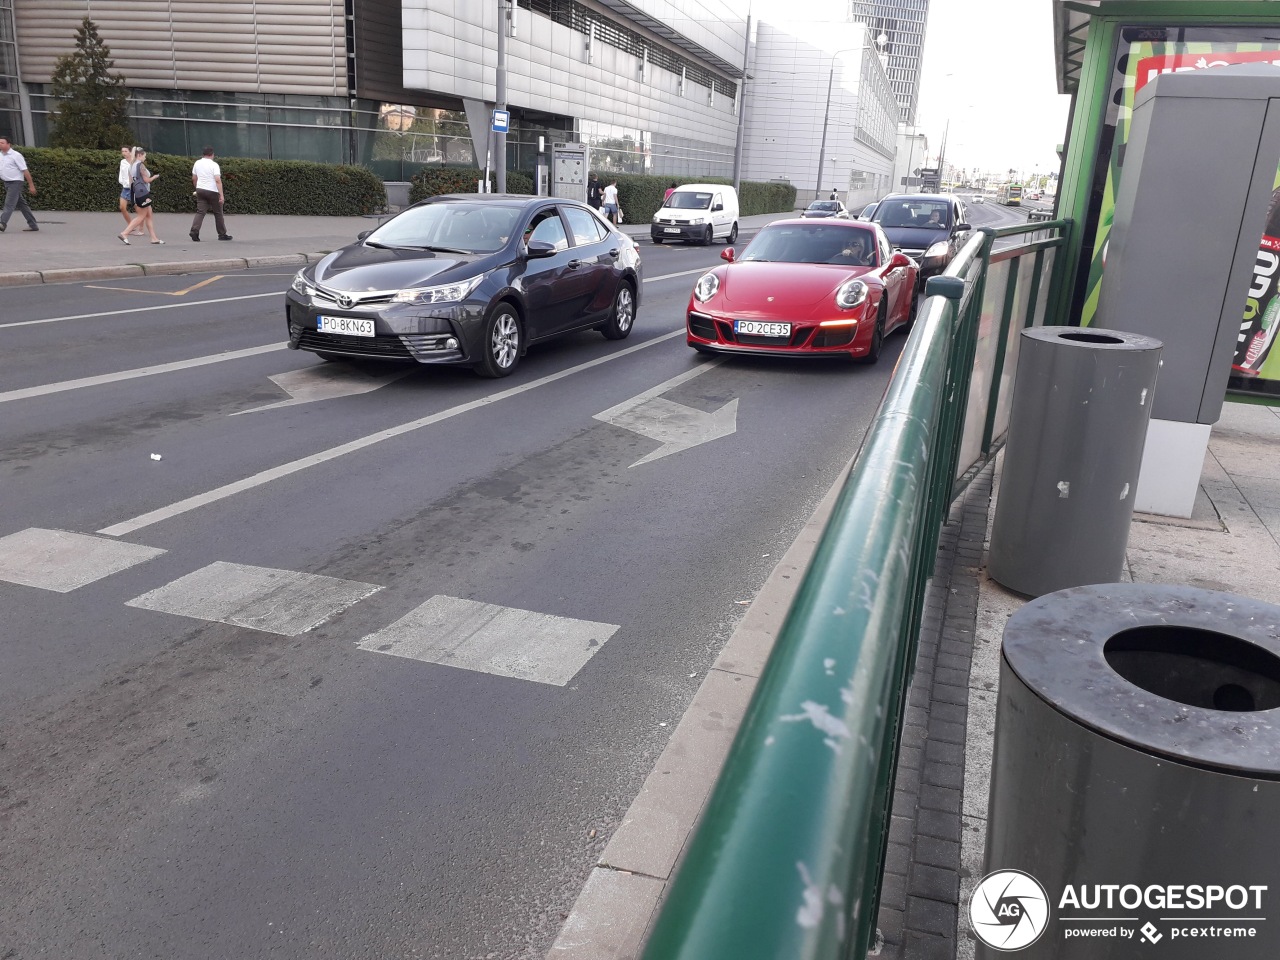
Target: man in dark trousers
206 177
595 192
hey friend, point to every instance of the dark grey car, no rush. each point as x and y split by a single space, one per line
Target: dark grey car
468 279
928 227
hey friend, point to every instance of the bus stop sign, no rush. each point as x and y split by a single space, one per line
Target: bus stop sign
501 121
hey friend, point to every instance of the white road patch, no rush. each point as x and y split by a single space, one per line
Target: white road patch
488 638
260 598
328 381
61 561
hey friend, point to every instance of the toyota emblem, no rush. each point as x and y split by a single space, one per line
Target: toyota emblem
345 300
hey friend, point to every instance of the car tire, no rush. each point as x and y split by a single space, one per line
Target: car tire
657 241
710 236
733 234
622 318
877 337
502 343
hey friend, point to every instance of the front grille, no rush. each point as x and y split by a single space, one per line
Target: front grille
834 336
702 326
326 295
797 338
387 347
429 346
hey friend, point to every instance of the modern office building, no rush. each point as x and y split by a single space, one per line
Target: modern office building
902 24
654 86
820 83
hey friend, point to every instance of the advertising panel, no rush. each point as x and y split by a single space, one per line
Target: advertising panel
1142 54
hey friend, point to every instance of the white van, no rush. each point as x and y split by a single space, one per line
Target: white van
697 213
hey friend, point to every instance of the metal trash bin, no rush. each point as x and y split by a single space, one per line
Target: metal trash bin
1135 779
1078 422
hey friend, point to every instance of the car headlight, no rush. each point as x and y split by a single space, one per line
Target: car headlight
302 285
655 218
850 294
938 249
697 221
444 293
706 287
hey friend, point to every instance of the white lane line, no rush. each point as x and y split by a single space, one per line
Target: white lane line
62 561
119 313
484 637
285 469
260 598
682 273
660 389
48 388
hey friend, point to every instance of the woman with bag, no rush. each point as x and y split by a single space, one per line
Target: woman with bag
140 183
126 189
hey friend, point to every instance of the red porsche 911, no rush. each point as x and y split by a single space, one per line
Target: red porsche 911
811 288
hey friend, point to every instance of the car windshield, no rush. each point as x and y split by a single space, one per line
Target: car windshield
911 213
813 243
689 200
824 205
450 226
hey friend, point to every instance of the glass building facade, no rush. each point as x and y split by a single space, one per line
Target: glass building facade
902 23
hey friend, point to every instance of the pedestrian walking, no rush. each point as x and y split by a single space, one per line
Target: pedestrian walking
13 170
610 197
670 190
593 191
206 177
140 183
126 189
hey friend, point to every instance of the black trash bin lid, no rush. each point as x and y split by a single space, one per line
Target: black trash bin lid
1193 675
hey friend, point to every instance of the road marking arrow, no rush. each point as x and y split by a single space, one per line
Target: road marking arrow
326 381
674 425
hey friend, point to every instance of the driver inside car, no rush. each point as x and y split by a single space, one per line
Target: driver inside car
856 250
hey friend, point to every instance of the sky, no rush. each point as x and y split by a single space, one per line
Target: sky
988 68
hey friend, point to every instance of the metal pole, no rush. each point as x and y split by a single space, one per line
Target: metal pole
500 138
822 150
742 110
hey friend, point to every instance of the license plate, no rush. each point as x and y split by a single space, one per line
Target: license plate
756 328
672 230
347 326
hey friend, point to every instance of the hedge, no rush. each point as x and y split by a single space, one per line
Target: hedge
640 195
68 179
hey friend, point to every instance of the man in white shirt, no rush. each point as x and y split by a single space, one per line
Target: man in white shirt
13 169
610 208
206 177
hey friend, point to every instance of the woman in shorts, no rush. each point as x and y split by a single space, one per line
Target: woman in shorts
126 190
140 182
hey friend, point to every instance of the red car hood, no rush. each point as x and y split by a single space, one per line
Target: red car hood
749 285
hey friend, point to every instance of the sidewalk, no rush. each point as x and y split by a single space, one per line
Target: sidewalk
1231 543
73 246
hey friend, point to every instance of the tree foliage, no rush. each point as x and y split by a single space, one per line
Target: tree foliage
93 102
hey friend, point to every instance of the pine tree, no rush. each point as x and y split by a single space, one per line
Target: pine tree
93 102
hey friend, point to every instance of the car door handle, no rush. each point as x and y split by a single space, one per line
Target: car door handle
614 253
574 264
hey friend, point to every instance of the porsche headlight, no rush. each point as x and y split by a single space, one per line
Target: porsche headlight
850 294
302 285
706 287
937 250
444 293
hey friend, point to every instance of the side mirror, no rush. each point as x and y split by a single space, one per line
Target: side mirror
963 228
718 206
541 248
727 254
362 234
899 259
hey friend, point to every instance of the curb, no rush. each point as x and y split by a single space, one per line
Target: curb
22 278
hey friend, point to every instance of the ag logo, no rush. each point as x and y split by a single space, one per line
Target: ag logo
1009 910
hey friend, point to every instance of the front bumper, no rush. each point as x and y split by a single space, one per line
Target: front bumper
670 230
435 335
807 338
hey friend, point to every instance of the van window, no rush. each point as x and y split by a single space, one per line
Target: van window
717 200
689 200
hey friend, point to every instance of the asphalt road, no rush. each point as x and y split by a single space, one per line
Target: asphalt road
218 734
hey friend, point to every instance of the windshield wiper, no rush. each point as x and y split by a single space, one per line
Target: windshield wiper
445 249
380 246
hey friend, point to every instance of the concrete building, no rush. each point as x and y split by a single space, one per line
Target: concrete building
902 24
913 154
811 78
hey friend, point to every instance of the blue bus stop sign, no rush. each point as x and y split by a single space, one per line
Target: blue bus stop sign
501 121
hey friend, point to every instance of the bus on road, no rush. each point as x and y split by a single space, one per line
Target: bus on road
1010 194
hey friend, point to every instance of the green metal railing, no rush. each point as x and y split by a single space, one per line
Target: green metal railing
787 860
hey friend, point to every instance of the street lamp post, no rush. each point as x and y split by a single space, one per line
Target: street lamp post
826 114
505 14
